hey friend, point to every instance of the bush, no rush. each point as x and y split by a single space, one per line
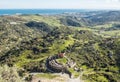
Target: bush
9 74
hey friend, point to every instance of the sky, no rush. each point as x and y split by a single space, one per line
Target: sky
60 4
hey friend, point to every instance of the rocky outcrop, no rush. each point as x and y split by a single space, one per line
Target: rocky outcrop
54 66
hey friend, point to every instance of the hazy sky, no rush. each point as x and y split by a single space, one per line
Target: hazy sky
68 4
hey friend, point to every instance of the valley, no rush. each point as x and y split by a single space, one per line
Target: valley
90 40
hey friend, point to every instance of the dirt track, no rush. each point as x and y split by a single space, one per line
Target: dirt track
62 78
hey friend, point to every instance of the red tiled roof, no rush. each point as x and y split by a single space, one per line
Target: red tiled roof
61 54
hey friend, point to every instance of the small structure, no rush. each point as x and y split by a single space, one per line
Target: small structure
71 63
13 23
61 55
54 66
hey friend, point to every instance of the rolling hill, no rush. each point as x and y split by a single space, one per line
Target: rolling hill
26 41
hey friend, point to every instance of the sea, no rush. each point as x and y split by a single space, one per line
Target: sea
39 11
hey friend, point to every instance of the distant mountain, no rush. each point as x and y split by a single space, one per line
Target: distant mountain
75 20
70 21
90 18
104 17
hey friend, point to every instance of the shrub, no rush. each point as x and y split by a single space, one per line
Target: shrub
9 74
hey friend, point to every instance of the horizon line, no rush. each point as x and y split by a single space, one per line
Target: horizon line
57 9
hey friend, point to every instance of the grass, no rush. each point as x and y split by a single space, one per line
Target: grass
74 73
59 46
22 60
98 27
62 60
52 21
47 75
112 33
105 33
96 46
84 67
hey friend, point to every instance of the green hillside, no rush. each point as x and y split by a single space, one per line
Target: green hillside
26 41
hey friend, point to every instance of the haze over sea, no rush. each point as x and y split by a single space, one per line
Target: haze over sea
39 11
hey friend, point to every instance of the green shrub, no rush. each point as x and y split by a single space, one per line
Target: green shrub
9 74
